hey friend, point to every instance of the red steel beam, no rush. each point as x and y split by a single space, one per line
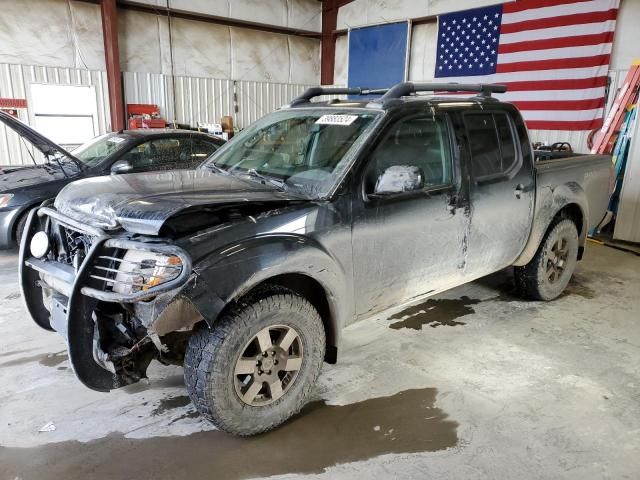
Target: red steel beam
109 13
328 48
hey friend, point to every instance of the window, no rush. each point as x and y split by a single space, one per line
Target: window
491 143
305 150
95 151
421 142
169 154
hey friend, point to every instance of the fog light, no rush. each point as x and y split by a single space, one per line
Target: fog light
39 245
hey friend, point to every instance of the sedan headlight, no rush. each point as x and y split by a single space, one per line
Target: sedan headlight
5 198
140 271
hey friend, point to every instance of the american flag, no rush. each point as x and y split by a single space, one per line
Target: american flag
553 55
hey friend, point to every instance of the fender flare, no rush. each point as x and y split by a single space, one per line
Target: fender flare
549 203
229 273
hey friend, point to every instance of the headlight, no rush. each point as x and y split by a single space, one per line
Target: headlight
140 271
5 198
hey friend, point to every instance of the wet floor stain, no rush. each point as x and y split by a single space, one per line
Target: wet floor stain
188 415
22 361
53 359
435 312
320 437
153 384
47 360
171 403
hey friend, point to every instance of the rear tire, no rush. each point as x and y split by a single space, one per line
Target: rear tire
257 366
547 274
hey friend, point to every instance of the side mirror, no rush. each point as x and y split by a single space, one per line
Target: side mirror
399 179
121 166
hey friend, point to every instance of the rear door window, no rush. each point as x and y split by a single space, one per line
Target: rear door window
491 142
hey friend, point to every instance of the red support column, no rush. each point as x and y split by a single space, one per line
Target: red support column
112 59
328 48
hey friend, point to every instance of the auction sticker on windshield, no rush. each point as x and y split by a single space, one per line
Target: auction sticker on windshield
116 140
336 119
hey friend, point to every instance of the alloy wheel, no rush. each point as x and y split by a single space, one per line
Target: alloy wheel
556 259
268 365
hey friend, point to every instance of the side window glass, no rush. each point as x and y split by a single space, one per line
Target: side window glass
493 149
160 154
507 146
140 156
194 152
483 142
421 142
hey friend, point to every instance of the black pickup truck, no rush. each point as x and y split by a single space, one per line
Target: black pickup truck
320 214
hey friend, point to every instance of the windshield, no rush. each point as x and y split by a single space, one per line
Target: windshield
304 150
95 151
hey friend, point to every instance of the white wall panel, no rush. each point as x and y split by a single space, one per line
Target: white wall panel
628 218
370 12
16 82
422 59
340 68
207 100
209 50
56 33
302 14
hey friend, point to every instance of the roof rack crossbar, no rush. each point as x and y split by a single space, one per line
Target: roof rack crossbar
407 88
312 92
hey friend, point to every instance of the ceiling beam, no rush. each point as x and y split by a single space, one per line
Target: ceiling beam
202 17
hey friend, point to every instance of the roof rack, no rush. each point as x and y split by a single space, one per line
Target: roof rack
400 90
312 92
407 88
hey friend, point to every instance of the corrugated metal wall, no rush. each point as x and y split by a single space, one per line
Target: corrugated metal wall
207 100
16 81
197 100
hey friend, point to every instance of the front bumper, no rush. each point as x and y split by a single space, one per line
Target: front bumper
76 292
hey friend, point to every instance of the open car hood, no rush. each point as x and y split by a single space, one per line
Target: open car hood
143 202
42 143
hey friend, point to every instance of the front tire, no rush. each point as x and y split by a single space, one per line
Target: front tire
546 276
257 366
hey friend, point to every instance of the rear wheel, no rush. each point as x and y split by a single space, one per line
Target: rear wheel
258 365
548 273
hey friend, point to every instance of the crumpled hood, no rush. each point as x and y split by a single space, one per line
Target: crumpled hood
142 202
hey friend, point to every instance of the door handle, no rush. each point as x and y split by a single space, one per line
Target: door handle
519 190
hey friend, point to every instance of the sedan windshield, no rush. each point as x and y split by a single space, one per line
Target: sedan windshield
304 150
96 150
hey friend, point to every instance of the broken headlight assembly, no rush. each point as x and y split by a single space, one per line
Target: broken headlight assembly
140 271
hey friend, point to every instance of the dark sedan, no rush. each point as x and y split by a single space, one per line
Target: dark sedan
23 187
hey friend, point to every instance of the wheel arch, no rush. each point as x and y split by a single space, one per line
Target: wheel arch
565 201
317 294
290 261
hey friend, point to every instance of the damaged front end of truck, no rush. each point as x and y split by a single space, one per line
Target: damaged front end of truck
107 266
118 302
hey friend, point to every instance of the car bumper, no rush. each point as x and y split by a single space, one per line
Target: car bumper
69 309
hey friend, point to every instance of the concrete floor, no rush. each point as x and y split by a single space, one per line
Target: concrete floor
472 384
